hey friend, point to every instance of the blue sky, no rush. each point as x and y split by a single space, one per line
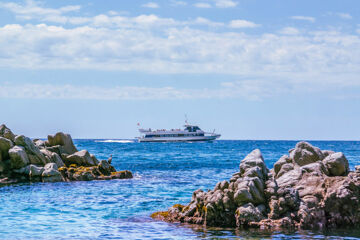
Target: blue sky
271 69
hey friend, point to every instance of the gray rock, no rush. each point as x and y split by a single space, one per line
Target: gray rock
39 143
305 153
95 161
18 157
283 160
81 158
5 145
249 213
253 159
53 157
104 167
30 170
36 171
284 169
51 173
64 140
6 133
327 153
337 164
34 154
317 168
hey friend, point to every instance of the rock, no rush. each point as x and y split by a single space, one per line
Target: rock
6 133
31 171
304 153
253 159
53 157
81 158
36 171
316 168
23 162
337 164
33 152
121 175
39 143
284 169
104 167
310 189
95 161
327 153
18 157
249 213
57 149
5 145
283 160
51 173
64 140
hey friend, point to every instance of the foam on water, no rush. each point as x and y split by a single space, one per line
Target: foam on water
164 174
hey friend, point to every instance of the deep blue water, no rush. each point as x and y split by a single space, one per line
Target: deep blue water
164 174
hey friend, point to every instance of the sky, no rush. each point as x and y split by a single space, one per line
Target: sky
251 69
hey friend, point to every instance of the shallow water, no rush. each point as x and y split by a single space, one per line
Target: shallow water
164 174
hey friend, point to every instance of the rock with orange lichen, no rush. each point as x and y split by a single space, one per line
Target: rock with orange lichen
54 160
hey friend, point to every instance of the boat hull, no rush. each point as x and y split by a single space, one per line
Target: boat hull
180 139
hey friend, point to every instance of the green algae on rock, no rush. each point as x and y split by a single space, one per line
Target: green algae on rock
54 160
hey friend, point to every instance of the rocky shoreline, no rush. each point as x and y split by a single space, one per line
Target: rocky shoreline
53 160
306 189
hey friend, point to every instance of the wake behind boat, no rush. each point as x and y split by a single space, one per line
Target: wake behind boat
191 133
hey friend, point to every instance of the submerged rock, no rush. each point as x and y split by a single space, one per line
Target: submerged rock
54 160
309 189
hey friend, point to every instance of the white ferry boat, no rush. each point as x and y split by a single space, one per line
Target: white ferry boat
191 133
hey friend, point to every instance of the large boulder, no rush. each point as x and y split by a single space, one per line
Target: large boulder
53 157
18 157
81 158
51 173
310 189
337 164
254 161
31 171
64 140
34 154
6 133
5 145
304 153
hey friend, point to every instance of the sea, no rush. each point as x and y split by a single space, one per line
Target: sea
164 174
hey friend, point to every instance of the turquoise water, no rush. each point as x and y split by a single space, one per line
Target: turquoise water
164 174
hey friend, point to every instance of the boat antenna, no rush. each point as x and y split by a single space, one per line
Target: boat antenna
186 120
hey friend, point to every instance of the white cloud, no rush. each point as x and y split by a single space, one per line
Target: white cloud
205 21
304 18
33 10
239 23
275 62
202 5
151 5
251 90
178 3
225 3
289 31
217 4
344 15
